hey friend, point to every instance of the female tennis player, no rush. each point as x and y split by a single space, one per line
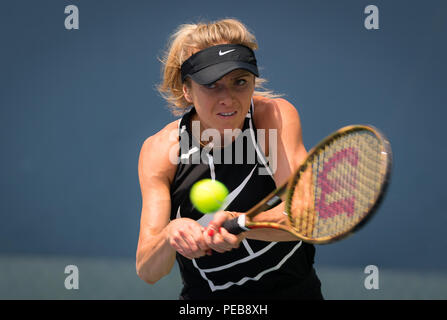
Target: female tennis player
210 78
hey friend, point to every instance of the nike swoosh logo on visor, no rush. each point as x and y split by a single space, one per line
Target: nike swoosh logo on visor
225 52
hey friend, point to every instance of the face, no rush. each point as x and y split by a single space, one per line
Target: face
224 103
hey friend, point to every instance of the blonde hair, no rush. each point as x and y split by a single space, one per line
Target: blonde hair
191 38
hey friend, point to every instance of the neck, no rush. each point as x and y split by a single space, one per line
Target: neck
205 135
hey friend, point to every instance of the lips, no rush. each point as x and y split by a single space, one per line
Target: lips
227 114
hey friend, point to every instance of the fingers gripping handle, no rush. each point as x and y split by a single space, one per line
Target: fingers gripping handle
236 225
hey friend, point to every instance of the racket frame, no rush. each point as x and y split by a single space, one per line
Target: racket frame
285 191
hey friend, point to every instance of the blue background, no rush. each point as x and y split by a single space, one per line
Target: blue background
76 106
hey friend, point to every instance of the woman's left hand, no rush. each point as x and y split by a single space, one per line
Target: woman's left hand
219 239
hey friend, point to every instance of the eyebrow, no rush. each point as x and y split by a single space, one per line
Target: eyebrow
242 74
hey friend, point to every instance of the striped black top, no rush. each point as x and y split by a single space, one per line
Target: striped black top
257 269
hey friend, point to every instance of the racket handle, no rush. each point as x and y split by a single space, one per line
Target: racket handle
236 225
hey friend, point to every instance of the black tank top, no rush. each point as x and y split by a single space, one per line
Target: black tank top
257 269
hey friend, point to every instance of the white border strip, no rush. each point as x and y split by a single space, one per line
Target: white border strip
245 279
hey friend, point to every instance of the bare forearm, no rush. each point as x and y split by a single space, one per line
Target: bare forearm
155 258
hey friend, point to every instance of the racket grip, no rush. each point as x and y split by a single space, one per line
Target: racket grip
236 225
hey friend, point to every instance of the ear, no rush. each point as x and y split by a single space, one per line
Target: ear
186 93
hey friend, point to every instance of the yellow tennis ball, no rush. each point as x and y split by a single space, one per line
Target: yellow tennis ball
208 195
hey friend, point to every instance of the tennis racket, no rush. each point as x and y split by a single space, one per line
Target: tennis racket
334 192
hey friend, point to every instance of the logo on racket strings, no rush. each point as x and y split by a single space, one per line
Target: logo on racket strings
337 183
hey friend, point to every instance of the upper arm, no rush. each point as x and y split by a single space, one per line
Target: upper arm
288 149
290 132
156 171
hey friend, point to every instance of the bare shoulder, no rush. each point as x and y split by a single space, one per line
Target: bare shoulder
274 113
165 136
159 152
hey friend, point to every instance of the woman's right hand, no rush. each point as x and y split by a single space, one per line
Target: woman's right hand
186 236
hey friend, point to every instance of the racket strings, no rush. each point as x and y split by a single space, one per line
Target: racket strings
339 185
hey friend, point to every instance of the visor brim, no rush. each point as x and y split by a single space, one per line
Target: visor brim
215 72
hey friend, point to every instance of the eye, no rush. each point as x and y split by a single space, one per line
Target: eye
210 86
241 82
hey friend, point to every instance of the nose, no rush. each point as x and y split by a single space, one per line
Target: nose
225 96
